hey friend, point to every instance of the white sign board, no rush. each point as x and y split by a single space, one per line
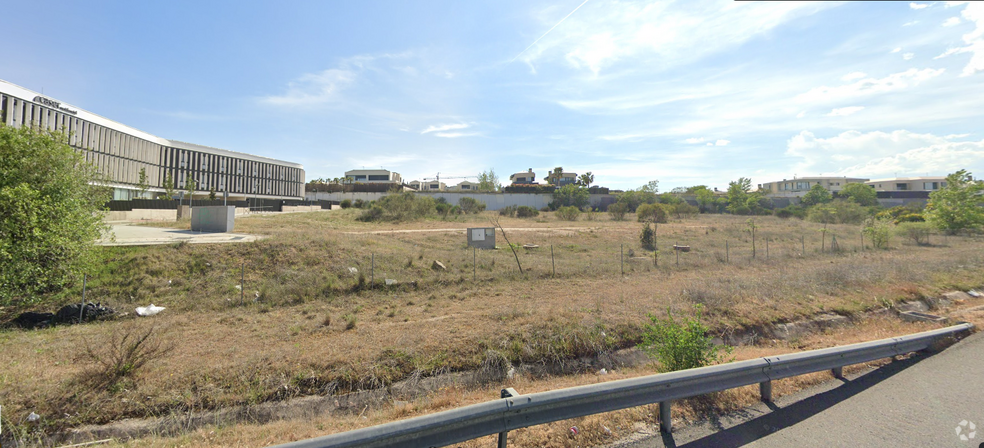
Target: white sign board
478 234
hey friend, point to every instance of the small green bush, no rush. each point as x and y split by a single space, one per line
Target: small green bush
918 232
648 237
405 206
569 213
525 211
509 210
618 211
679 345
878 231
346 203
684 210
790 211
359 203
471 205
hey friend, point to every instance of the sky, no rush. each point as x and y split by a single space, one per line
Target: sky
697 92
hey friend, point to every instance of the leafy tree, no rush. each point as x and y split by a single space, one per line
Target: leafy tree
168 185
706 199
570 195
863 194
816 195
634 198
142 184
668 198
554 177
488 181
48 214
650 187
956 206
211 193
618 211
651 213
586 179
878 231
738 196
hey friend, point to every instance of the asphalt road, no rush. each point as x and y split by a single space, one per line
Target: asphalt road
917 402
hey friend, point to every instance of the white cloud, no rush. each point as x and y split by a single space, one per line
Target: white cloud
662 34
896 50
722 143
952 21
882 154
974 40
869 86
908 56
910 23
456 134
801 114
845 111
313 88
445 127
695 140
853 75
918 5
953 136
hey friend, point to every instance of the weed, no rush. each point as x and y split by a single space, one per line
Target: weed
124 354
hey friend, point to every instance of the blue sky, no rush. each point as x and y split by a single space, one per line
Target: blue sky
686 92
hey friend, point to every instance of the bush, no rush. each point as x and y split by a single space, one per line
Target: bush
651 213
648 237
790 211
471 205
839 211
680 345
525 211
405 206
685 210
569 213
918 232
900 214
878 231
618 211
346 203
128 350
359 203
509 210
570 195
443 209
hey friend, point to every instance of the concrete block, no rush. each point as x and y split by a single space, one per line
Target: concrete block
481 237
213 218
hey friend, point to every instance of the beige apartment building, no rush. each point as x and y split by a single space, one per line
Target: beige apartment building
799 186
374 176
926 183
528 177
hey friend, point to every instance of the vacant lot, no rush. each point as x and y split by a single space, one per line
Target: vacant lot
306 323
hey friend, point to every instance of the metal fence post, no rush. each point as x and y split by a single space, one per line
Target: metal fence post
372 271
553 265
84 278
727 252
474 264
665 417
505 393
766 248
765 390
242 285
621 258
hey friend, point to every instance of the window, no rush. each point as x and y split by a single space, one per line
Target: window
802 185
901 187
466 187
435 186
931 185
378 177
360 177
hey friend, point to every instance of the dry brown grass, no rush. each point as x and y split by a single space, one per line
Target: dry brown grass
279 345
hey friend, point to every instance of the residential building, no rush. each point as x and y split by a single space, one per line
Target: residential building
464 186
529 177
121 153
561 179
926 183
430 185
799 186
374 176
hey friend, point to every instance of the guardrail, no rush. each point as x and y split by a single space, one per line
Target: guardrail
516 411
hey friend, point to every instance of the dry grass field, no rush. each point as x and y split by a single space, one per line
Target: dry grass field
306 324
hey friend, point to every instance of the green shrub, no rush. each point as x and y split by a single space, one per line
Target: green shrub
509 210
679 345
405 206
684 210
471 205
618 211
790 211
359 203
878 231
525 211
918 232
569 213
651 213
648 237
839 211
443 209
346 203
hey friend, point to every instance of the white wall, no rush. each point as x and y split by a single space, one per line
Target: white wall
493 201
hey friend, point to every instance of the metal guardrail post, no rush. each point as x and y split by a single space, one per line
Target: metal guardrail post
838 372
765 390
505 393
665 416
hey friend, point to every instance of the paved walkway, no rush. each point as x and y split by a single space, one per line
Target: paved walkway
131 235
917 402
